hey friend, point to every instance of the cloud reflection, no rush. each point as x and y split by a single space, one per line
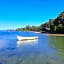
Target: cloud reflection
27 42
3 44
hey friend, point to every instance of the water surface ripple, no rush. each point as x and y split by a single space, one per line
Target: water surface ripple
44 50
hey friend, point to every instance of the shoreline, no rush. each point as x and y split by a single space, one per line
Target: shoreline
55 34
34 31
49 34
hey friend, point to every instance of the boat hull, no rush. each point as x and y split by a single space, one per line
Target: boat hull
26 38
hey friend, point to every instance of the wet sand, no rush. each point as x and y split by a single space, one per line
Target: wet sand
55 34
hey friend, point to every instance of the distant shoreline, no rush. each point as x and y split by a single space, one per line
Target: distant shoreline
48 34
34 31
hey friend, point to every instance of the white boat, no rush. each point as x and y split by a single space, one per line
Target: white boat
26 38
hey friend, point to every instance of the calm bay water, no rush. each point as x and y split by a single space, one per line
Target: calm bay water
44 50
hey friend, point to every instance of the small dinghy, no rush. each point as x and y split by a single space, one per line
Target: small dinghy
26 38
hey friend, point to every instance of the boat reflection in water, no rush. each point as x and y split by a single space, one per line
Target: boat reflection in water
27 42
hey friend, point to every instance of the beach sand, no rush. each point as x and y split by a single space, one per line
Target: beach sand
55 34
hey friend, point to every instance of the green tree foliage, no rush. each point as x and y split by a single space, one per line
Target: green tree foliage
55 25
51 22
30 28
59 24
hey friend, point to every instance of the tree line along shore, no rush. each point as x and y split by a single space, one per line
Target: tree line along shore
53 26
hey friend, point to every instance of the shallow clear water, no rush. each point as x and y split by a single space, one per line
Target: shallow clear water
44 50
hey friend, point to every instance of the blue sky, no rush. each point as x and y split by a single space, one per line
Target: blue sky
19 13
